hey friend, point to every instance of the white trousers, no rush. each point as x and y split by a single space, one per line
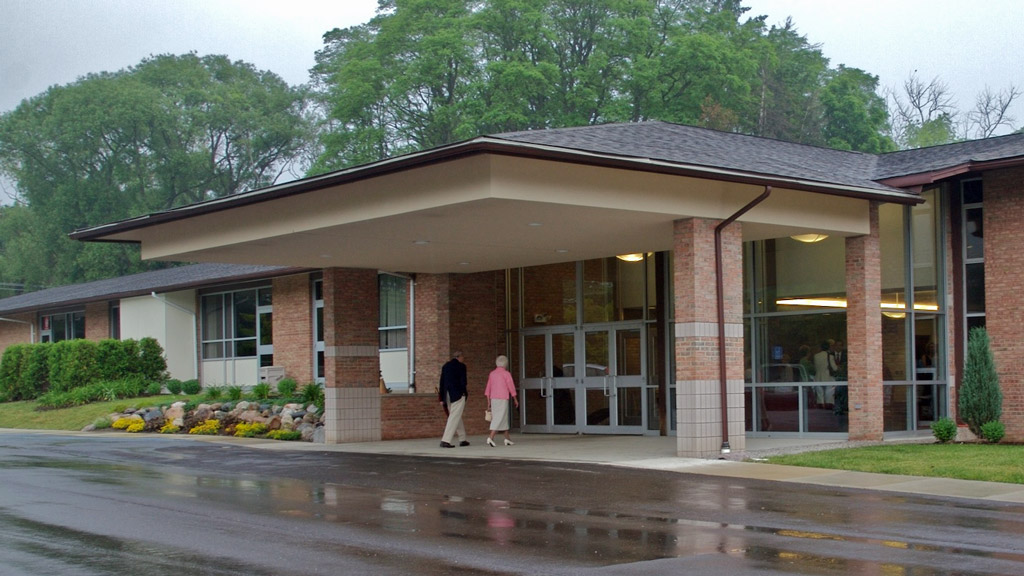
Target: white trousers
455 425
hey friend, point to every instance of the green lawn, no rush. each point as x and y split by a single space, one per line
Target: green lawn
989 462
23 415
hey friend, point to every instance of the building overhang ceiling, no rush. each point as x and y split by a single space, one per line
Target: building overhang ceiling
485 205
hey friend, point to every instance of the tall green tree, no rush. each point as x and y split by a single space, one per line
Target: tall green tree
170 131
855 115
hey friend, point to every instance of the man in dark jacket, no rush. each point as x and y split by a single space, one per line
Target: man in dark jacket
452 395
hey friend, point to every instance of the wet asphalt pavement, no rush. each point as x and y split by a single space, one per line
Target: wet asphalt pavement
99 505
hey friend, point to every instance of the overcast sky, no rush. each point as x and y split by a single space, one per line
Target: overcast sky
967 44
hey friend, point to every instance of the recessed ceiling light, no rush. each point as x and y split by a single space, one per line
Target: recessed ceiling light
464 263
535 224
562 250
421 242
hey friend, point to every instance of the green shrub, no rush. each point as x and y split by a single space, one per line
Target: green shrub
213 393
313 393
284 435
261 391
944 430
993 431
72 363
154 389
115 359
191 387
102 423
234 393
152 364
980 399
11 368
174 386
286 387
37 368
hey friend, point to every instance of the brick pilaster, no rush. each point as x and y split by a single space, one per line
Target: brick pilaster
698 395
864 333
351 355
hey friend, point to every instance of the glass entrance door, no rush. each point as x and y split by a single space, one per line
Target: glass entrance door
587 380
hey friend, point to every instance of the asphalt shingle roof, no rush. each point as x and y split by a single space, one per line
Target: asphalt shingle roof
713 149
166 280
933 158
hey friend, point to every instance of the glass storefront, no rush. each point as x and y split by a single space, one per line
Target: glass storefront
795 327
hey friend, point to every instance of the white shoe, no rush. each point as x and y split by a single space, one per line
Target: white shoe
490 443
508 442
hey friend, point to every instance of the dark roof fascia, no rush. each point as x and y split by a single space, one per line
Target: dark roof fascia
926 178
121 294
478 146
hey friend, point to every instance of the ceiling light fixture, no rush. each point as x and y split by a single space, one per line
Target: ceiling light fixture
809 238
630 257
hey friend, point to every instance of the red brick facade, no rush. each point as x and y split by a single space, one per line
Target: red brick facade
1004 300
351 319
863 325
19 331
97 321
293 326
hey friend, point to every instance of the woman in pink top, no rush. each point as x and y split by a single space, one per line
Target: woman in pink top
500 387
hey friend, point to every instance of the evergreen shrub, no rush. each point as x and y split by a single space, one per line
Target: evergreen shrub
286 387
980 399
191 387
174 386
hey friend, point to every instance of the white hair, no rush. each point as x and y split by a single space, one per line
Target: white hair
501 361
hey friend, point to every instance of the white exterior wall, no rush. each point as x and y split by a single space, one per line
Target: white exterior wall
394 367
165 318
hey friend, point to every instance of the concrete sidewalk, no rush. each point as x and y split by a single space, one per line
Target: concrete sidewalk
658 453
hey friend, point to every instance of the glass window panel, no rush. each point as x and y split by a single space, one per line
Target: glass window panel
266 360
972 192
596 353
895 403
58 329
927 335
613 289
798 276
319 324
779 408
245 348
265 297
393 290
830 415
320 364
563 354
564 400
787 345
535 407
266 329
892 249
213 317
975 322
975 287
894 346
318 290
213 350
78 325
549 295
630 406
533 357
925 228
245 314
628 353
974 234
598 413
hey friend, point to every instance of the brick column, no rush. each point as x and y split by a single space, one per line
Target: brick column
698 396
351 355
293 326
864 333
433 326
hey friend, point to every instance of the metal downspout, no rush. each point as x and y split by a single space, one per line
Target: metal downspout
720 298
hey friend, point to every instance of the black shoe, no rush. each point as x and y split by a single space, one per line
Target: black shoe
446 445
464 443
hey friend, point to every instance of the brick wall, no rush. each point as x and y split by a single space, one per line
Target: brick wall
1004 300
97 321
17 333
293 326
